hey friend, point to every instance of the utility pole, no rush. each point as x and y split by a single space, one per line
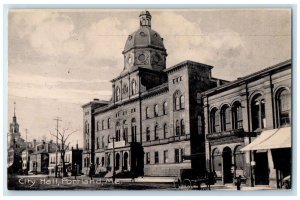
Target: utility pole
56 152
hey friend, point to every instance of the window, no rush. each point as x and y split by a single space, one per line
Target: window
177 156
97 161
214 121
147 112
108 139
181 102
177 99
87 127
177 103
225 118
182 129
133 86
97 143
108 123
199 124
102 124
156 157
177 128
258 112
118 132
156 132
147 134
165 108
133 130
125 131
283 107
117 93
237 115
165 130
148 158
102 161
198 98
102 142
98 125
166 156
156 110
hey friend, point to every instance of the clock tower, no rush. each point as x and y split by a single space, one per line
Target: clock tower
144 48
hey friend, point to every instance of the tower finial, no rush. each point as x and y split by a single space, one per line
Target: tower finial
14 109
145 18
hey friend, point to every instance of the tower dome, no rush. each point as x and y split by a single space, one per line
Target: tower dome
144 47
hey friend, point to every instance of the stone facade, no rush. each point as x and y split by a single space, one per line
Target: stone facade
236 113
154 117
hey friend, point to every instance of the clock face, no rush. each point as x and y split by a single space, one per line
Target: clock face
156 58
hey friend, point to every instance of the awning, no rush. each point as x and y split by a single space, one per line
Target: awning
260 139
271 139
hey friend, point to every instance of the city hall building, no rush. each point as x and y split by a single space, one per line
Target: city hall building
161 120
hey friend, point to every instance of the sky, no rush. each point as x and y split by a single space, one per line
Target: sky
61 59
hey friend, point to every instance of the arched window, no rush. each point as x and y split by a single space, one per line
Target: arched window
125 131
156 132
155 110
165 108
237 115
147 134
147 112
118 132
165 130
214 120
283 107
225 118
181 102
239 160
102 142
258 112
98 126
102 124
133 86
117 93
182 128
177 99
108 123
177 128
133 130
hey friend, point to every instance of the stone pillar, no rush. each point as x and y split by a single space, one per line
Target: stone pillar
272 173
206 131
269 105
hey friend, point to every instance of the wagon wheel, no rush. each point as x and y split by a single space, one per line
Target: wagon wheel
186 184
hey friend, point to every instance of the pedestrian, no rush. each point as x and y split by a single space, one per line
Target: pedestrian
75 171
238 182
92 171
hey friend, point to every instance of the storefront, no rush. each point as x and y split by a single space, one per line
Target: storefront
272 159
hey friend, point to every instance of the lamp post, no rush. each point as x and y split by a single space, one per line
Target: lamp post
113 167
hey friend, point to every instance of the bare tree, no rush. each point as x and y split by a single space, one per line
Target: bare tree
62 138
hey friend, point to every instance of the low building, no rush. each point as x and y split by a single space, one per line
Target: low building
248 129
72 157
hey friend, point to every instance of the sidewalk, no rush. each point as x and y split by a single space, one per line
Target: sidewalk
231 187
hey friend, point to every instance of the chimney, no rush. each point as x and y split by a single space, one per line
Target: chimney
77 146
34 143
96 99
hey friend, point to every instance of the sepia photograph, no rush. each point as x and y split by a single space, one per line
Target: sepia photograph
149 99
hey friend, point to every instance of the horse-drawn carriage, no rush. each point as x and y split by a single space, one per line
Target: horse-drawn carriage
190 178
